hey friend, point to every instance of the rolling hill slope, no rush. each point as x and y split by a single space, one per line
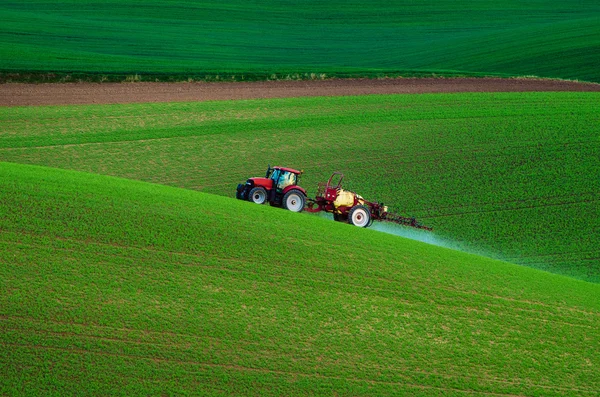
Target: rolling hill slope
268 39
509 175
121 287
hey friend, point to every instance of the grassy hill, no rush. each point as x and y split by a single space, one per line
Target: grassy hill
265 39
119 287
513 176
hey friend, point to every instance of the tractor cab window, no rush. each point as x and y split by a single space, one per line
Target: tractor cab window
286 179
282 179
274 175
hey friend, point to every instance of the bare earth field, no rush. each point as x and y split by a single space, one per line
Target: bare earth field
16 94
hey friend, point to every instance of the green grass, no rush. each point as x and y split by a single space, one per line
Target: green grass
513 176
118 287
242 40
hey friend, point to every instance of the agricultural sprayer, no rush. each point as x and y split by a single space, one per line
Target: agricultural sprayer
279 188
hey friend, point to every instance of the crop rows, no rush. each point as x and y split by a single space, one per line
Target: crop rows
513 176
124 288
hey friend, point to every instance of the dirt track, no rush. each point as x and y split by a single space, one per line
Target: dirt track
88 93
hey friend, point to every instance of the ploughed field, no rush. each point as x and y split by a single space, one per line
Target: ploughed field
19 94
513 176
119 287
241 40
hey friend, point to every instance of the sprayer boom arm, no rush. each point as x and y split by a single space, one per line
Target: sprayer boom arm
402 220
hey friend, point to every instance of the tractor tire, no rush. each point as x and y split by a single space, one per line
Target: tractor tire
359 216
258 195
239 193
294 200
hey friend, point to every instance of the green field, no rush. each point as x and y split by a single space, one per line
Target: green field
514 176
118 287
128 268
237 39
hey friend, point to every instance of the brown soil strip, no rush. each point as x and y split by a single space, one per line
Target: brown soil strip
17 94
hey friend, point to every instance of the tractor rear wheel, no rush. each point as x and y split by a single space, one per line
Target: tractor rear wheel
258 195
360 216
294 200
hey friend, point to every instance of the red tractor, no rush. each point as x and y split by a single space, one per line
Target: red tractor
279 188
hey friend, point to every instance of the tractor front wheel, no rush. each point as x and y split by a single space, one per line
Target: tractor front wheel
360 216
258 195
239 193
294 200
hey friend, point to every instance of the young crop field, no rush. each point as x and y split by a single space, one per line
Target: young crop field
242 40
119 287
513 176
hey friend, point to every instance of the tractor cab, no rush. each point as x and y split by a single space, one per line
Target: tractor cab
283 177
